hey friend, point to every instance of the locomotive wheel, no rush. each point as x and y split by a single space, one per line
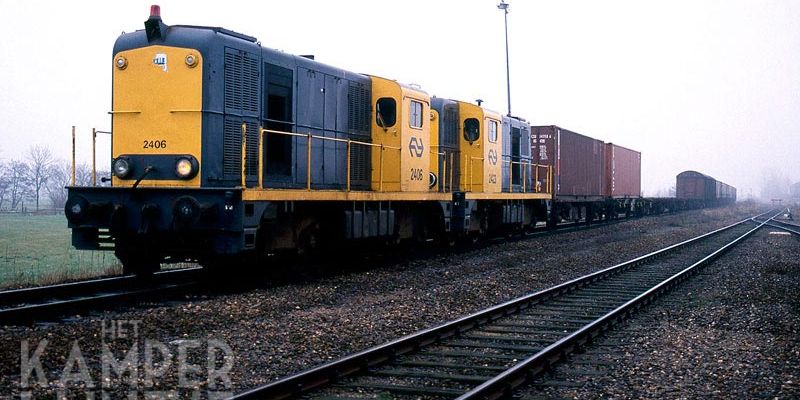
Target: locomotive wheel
221 270
139 265
309 243
531 226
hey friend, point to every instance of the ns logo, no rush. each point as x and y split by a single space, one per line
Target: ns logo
493 157
416 147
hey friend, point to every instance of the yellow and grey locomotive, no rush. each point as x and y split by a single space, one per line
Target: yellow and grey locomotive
223 148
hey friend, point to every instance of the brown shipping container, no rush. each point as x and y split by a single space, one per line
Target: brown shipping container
623 171
577 161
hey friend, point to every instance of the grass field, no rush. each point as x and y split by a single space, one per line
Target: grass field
36 250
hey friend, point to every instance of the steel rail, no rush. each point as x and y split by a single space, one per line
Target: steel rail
785 226
30 304
504 383
22 295
297 384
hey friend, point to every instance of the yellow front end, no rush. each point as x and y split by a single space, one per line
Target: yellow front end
157 104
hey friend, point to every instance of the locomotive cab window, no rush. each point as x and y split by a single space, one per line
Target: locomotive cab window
415 114
386 112
472 129
492 131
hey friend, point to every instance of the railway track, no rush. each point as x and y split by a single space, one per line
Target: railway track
487 354
781 223
39 303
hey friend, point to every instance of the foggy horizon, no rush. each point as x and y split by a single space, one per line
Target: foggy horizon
710 86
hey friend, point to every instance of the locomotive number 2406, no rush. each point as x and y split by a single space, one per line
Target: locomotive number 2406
416 174
154 144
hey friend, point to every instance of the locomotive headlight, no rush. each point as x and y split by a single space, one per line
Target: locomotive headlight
186 168
121 62
122 167
191 60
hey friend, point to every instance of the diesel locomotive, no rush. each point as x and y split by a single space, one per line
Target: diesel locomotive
222 148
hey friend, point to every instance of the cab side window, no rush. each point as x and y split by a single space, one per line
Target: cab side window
386 112
472 129
492 131
415 114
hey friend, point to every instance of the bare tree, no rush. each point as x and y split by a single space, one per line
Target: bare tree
40 162
4 182
61 177
83 175
16 177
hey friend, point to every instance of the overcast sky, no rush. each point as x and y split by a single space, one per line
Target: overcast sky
712 86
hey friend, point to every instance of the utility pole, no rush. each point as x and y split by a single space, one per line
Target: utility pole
504 6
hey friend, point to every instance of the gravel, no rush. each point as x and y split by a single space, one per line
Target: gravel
275 331
730 332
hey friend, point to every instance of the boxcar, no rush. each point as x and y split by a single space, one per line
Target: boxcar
696 186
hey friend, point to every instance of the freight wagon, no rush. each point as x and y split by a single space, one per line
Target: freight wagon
577 162
703 189
591 179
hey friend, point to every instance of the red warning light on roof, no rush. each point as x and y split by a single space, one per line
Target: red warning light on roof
155 11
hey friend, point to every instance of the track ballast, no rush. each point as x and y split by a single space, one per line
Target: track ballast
487 354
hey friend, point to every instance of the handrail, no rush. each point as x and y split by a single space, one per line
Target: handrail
73 155
309 136
438 157
448 172
452 156
94 156
534 166
469 178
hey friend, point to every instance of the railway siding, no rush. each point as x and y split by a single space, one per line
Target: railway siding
466 357
731 332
